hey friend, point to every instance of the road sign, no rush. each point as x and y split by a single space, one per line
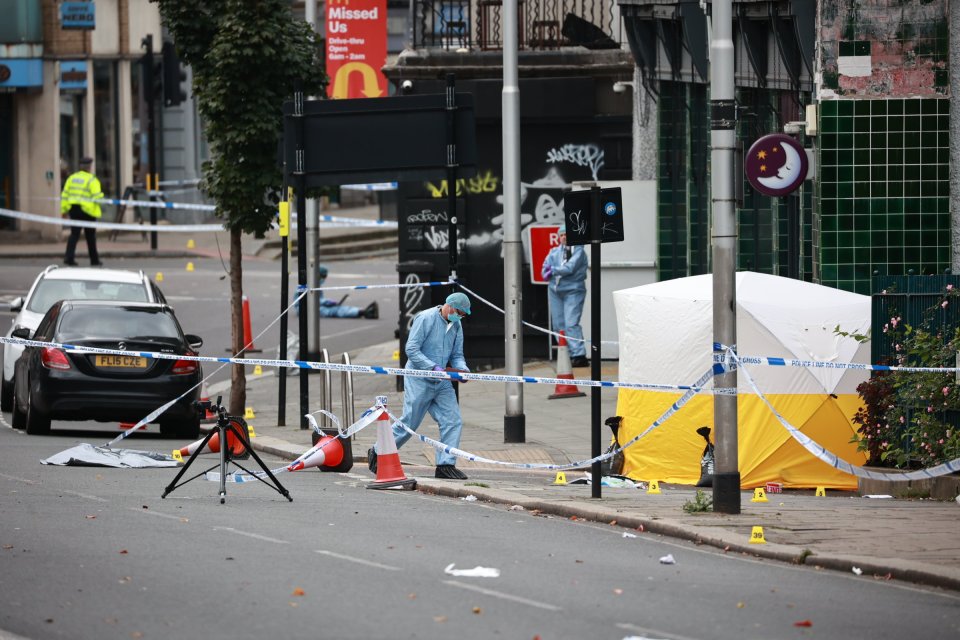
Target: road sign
542 240
391 139
577 214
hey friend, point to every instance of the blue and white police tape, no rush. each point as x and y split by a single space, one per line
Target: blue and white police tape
371 186
831 458
172 183
694 389
366 418
774 361
357 368
118 226
524 322
357 287
334 221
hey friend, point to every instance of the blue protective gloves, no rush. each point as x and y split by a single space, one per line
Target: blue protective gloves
547 271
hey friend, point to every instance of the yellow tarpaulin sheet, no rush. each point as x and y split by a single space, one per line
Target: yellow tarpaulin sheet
767 453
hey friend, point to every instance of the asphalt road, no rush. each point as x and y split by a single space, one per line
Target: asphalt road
96 553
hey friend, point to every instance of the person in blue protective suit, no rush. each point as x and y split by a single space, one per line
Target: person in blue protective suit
435 343
565 269
334 309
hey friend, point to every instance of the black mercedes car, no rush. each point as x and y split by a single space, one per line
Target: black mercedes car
54 384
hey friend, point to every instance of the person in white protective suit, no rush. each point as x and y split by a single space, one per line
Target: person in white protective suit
435 343
565 268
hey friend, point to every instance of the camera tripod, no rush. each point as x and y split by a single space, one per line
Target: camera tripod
226 425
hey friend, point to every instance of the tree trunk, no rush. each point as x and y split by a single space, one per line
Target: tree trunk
238 377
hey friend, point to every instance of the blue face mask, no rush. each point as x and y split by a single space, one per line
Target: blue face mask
454 317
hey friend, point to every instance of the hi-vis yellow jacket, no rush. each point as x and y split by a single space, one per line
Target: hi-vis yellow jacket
82 188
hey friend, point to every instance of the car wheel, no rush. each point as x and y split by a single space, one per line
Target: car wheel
6 396
37 424
180 429
19 418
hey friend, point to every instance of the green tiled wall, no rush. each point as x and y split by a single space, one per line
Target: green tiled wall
672 207
884 190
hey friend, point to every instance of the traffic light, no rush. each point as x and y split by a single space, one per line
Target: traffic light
151 75
173 76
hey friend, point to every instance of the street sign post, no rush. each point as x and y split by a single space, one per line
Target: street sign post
335 142
594 216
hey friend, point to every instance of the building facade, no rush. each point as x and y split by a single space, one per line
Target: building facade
72 89
865 86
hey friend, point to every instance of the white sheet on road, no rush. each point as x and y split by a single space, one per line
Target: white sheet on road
87 455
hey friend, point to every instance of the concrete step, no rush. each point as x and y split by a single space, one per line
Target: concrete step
367 247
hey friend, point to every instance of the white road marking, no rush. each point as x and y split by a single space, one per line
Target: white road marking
368 563
85 496
17 479
157 513
503 596
256 536
646 631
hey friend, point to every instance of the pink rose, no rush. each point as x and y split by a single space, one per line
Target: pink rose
946 390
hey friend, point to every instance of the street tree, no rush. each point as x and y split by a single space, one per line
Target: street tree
246 56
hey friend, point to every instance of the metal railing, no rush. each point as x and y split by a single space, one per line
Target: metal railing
541 24
346 393
348 412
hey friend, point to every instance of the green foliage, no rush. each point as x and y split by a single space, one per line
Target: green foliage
910 419
701 502
246 56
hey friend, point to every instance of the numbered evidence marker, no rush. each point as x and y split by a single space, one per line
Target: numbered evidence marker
561 478
759 495
654 487
756 536
821 493
177 456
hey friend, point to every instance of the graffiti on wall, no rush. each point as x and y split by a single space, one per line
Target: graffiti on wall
582 155
485 182
412 301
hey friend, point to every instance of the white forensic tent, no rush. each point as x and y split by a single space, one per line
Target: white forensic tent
666 337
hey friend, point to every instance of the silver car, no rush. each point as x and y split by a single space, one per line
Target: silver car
69 283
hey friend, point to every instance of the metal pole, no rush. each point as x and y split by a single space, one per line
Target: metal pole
311 303
152 143
726 479
300 180
595 242
285 317
452 174
346 392
514 421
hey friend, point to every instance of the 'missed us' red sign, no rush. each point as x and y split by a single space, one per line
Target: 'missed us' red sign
356 48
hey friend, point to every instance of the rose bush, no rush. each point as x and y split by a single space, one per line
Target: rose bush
909 419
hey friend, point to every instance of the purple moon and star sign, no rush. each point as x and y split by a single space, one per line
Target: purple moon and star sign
776 165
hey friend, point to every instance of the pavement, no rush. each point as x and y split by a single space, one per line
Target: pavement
913 540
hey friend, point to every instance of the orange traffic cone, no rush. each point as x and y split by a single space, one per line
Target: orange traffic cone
236 445
389 469
328 452
208 415
247 330
565 372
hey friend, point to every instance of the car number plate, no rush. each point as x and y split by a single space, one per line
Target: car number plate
126 362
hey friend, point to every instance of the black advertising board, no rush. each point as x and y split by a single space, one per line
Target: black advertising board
577 216
394 139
